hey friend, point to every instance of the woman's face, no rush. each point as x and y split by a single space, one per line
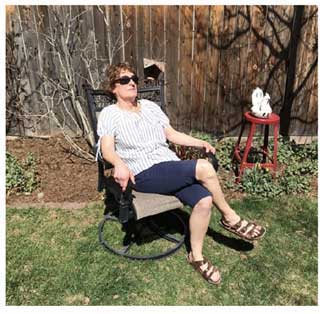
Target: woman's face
126 90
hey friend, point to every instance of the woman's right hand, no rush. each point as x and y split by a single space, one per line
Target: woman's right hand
122 175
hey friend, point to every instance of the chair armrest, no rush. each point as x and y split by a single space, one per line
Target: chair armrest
213 160
192 152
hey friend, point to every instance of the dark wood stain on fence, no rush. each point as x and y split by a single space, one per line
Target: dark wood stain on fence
215 56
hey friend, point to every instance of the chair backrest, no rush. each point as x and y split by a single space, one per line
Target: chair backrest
97 99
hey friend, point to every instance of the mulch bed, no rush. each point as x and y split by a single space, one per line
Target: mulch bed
63 176
66 180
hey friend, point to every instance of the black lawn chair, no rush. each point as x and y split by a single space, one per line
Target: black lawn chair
131 211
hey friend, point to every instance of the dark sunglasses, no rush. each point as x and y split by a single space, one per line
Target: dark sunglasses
126 79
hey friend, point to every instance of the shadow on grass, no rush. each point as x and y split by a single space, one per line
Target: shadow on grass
230 242
171 227
140 232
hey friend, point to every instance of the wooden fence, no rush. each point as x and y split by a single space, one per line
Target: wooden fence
214 57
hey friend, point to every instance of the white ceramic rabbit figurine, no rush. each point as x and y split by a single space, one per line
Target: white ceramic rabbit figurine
260 104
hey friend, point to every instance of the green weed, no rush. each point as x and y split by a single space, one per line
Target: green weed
297 166
21 177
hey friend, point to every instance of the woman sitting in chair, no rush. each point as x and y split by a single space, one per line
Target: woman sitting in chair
133 138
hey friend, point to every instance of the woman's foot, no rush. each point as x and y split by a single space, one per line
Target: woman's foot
208 271
247 230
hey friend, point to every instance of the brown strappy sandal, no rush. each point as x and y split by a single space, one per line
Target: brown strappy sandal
255 232
206 273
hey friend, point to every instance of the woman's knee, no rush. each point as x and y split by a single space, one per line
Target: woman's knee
204 205
204 169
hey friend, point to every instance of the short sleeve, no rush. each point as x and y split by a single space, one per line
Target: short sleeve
159 114
106 125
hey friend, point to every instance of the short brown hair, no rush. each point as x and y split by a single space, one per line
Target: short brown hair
113 73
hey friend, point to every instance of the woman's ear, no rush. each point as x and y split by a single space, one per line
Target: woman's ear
113 91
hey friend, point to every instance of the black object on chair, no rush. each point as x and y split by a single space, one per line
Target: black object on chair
133 213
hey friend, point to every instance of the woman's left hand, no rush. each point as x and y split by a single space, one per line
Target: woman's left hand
208 147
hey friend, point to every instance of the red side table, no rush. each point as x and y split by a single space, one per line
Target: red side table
253 121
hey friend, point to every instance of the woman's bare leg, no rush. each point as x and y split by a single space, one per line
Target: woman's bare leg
199 222
205 173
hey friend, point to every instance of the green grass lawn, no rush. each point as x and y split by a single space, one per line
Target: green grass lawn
54 258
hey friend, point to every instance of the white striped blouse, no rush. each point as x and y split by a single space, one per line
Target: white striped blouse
139 136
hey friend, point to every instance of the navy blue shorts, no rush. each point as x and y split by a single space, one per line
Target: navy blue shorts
172 178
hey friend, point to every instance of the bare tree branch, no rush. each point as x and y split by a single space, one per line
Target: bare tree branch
64 62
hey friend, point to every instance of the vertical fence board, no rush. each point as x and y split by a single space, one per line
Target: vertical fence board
115 40
172 48
258 31
88 40
63 59
312 100
301 120
199 107
140 42
100 38
146 26
45 64
213 101
284 36
157 41
229 67
129 22
252 58
15 74
301 72
270 86
32 106
243 89
185 65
